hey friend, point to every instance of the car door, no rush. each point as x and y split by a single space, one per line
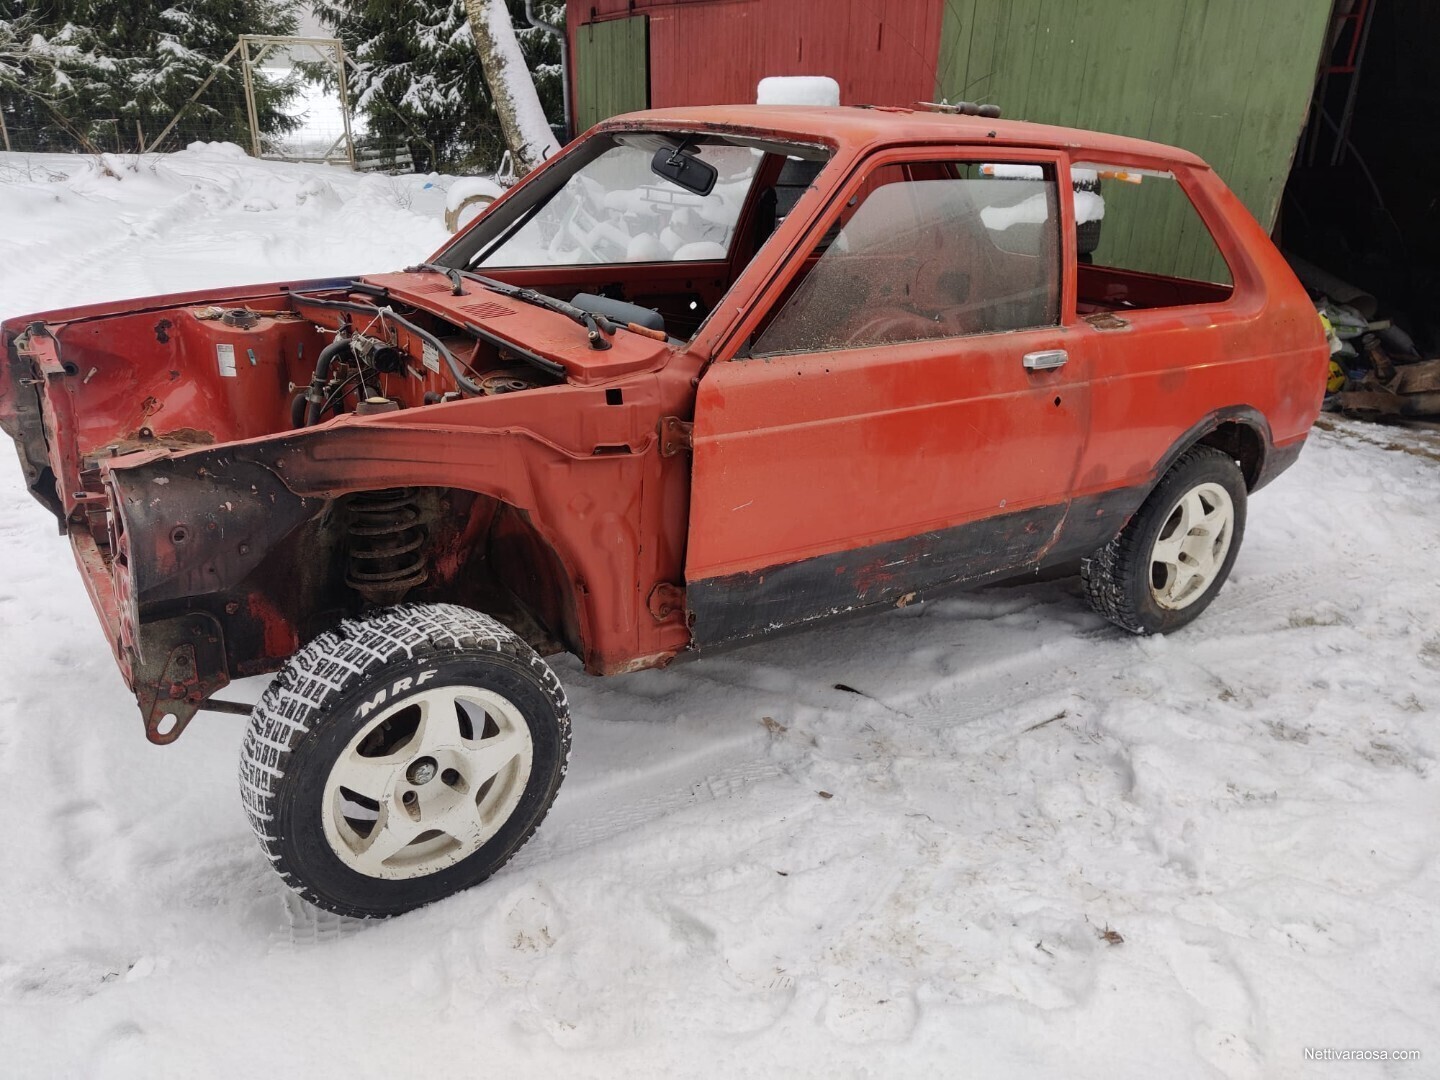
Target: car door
904 407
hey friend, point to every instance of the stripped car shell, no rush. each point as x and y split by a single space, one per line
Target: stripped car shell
665 493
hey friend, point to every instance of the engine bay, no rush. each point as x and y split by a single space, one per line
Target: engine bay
266 362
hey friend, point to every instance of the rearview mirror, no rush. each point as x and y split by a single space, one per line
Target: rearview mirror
679 165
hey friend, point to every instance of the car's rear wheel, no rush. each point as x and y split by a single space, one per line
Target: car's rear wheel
403 757
1172 557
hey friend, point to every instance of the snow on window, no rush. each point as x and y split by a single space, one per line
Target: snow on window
1089 205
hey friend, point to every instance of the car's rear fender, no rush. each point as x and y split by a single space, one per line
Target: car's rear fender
1240 430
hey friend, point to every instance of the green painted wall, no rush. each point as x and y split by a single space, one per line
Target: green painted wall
1227 79
612 62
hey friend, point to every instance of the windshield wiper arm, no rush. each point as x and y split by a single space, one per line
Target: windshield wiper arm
596 326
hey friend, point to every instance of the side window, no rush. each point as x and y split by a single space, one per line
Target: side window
928 250
1142 243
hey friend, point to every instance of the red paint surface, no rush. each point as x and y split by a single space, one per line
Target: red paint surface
703 52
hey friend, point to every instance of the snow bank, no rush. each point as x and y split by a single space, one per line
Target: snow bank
124 225
798 90
990 830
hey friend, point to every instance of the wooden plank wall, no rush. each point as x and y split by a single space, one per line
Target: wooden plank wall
1228 79
612 69
881 52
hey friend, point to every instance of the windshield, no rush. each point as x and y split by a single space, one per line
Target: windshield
614 209
600 225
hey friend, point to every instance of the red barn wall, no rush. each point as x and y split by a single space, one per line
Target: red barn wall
703 52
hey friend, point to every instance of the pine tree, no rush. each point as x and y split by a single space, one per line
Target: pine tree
102 72
189 42
419 83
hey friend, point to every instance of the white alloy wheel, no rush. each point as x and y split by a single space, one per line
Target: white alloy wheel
427 781
1190 551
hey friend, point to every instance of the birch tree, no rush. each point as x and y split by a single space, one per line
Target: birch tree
512 90
414 80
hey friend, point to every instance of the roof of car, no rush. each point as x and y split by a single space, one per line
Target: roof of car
855 126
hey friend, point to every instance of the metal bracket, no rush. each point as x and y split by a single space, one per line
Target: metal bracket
676 436
192 669
665 600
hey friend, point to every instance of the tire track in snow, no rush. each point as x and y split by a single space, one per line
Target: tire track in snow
593 809
600 811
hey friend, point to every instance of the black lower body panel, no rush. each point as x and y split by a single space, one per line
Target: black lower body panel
735 608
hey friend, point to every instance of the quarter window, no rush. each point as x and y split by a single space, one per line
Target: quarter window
928 250
1142 243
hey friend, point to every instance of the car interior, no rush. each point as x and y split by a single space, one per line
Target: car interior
614 225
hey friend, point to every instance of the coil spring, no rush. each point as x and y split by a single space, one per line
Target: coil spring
386 537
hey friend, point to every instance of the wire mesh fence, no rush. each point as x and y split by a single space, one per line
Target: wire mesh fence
281 98
33 126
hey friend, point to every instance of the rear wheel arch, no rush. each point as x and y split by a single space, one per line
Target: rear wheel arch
1243 441
1239 430
1174 554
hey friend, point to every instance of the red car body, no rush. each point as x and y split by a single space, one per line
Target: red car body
667 495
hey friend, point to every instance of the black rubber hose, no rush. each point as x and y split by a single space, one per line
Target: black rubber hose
297 410
465 384
315 396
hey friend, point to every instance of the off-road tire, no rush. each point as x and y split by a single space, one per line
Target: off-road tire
1117 577
307 716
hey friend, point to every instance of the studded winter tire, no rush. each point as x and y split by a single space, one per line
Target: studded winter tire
403 757
1173 556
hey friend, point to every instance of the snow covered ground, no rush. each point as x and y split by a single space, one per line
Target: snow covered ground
989 836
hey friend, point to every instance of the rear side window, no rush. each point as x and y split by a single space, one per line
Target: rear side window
1141 242
928 250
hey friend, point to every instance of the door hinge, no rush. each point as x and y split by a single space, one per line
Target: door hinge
675 436
665 600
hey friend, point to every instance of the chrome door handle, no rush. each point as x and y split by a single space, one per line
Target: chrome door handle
1045 360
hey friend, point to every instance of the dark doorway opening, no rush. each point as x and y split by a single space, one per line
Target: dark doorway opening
1363 197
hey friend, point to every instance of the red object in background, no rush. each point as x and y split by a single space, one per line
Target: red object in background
881 52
